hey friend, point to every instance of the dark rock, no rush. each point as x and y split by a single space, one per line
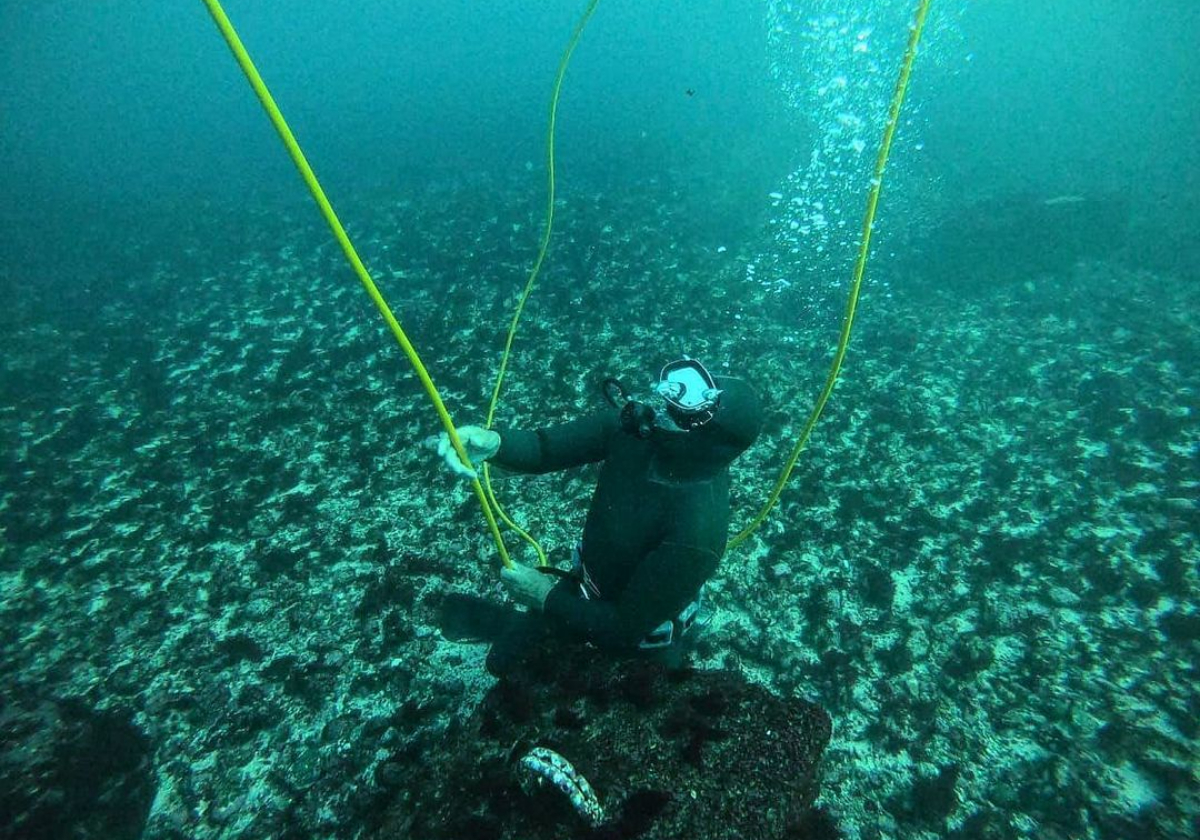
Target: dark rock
398 583
670 755
1001 553
397 629
968 657
390 774
1105 394
568 718
1104 578
1142 825
934 798
1144 593
897 659
1180 626
878 587
1157 425
983 825
1171 569
239 647
68 770
276 558
998 472
638 813
817 824
251 713
838 667
309 681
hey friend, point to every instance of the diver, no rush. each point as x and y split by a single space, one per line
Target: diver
658 521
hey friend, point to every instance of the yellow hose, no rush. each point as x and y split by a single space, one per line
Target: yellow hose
533 274
285 133
860 266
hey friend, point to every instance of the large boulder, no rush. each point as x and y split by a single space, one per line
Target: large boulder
68 770
668 753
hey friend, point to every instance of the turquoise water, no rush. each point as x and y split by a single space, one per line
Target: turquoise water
224 548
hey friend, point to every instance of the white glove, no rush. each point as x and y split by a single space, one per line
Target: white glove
479 442
526 585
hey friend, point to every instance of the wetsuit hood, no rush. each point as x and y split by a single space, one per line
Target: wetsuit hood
709 449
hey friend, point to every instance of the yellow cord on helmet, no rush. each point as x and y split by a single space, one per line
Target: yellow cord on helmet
533 274
289 140
860 265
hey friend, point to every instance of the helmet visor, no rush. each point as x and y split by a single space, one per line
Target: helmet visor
688 387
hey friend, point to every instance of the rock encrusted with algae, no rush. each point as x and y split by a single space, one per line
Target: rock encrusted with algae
672 754
71 769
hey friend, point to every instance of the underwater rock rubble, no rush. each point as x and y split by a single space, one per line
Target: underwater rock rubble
214 514
669 754
70 770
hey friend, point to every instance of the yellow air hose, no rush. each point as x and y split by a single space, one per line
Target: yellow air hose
260 88
533 274
483 490
860 266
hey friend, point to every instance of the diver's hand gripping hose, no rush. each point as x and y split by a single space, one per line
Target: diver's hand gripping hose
479 442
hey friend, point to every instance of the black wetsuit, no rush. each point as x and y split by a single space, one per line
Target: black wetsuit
659 517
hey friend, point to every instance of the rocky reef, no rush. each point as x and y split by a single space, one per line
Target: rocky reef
224 549
670 753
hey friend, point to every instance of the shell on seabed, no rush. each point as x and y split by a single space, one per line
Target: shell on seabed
541 766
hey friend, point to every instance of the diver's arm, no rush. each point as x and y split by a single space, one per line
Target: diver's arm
580 441
666 581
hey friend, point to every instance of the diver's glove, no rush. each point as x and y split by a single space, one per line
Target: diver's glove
529 585
479 442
